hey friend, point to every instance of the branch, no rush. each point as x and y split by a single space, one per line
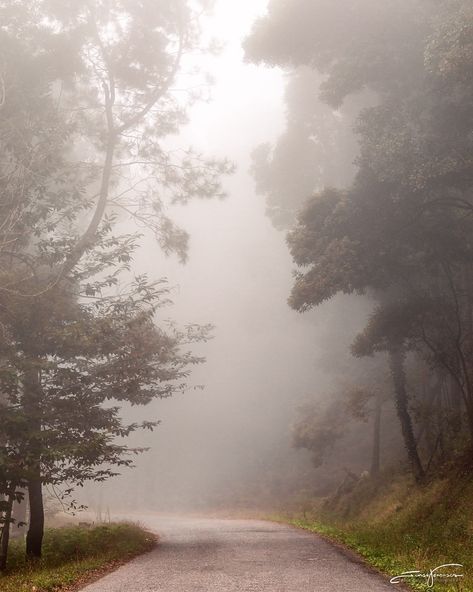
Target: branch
109 93
158 92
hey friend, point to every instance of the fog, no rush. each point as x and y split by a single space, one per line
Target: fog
228 445
294 175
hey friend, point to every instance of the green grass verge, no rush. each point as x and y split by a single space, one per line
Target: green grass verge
398 527
73 554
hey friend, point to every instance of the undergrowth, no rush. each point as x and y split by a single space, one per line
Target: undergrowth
398 526
72 554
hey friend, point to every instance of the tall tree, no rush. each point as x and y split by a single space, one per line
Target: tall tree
402 229
106 79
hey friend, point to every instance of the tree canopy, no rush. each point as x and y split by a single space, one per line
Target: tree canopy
401 231
87 111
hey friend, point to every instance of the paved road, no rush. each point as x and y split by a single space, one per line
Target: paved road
211 555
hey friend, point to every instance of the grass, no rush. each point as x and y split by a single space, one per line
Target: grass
73 555
399 526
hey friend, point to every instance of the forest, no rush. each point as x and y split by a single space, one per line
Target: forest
396 228
315 355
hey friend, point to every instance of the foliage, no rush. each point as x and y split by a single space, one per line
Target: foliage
399 527
316 149
88 139
401 231
317 430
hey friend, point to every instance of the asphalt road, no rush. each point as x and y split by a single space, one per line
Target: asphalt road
213 555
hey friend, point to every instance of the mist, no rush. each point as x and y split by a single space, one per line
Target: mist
236 266
226 443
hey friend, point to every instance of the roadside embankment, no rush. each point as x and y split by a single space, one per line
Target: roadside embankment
398 526
74 556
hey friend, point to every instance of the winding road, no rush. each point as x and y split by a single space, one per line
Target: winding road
214 555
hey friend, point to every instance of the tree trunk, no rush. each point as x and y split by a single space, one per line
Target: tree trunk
32 403
456 405
5 538
34 537
375 460
396 362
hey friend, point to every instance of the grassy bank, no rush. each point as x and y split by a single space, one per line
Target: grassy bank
74 555
399 526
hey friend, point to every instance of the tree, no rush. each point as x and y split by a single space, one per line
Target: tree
317 430
401 231
363 403
34 174
316 149
110 68
386 333
354 45
327 426
108 352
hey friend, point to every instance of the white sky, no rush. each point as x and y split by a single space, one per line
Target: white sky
246 103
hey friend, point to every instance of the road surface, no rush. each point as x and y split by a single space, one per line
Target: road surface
210 555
